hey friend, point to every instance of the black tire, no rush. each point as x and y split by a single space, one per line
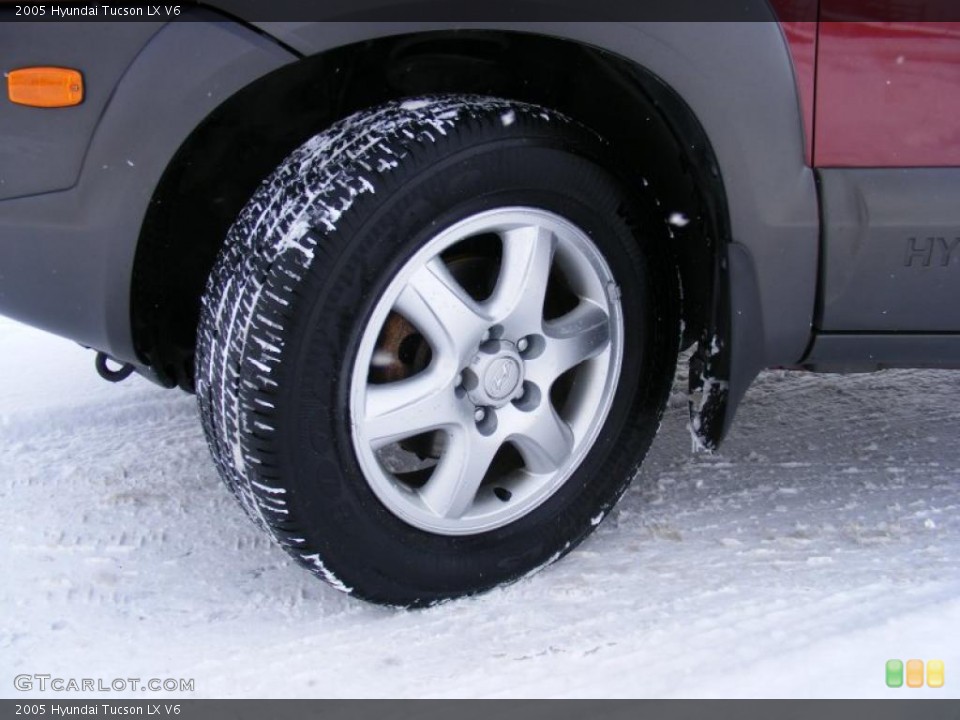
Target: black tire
301 270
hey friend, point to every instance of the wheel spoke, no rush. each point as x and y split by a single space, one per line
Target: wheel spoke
406 408
442 310
581 334
453 486
518 298
545 442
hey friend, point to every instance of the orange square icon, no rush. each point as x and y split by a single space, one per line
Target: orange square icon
914 673
935 674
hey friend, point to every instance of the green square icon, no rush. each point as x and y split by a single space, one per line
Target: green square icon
894 673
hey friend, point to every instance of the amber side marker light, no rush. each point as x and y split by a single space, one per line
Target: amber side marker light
46 87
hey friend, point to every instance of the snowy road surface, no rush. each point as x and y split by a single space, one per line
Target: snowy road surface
823 540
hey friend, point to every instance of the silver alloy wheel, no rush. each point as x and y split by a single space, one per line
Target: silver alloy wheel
489 380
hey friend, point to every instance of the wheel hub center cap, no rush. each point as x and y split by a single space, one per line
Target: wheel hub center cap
502 377
495 376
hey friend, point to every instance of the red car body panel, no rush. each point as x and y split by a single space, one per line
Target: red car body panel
887 94
877 88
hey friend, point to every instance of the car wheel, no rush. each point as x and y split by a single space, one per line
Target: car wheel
436 346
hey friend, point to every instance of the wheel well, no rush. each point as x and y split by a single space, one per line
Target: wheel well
219 166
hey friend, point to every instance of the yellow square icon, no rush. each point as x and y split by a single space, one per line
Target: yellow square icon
935 673
914 673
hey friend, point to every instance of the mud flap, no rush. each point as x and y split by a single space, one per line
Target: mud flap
729 354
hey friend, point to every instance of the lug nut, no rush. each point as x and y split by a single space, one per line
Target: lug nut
522 344
459 381
485 337
479 414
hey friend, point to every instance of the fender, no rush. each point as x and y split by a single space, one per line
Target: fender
738 81
84 237
43 151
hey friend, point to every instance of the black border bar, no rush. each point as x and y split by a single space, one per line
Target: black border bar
161 709
487 10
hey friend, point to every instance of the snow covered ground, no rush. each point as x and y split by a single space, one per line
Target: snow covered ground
823 540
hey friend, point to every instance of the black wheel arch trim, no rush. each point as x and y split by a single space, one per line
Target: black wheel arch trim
738 81
765 216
